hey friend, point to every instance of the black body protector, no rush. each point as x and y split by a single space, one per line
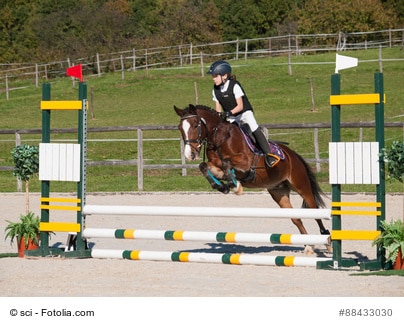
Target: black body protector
227 99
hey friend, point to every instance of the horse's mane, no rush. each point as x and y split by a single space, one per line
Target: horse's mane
205 108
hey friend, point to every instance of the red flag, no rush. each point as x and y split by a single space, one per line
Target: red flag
75 71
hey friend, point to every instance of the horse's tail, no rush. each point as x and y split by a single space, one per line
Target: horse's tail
315 187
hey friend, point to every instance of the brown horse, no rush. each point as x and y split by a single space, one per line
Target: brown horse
232 164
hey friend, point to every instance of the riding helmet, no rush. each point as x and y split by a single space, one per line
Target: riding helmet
220 67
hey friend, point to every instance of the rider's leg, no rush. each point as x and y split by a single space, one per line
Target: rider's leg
270 158
249 118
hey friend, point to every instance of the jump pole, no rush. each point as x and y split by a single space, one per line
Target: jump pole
208 212
235 259
224 237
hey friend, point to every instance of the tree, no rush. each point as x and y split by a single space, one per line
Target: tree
317 16
185 21
26 160
16 39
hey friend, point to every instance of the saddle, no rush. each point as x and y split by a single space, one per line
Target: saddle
249 138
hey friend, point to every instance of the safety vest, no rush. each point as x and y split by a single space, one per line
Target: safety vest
227 99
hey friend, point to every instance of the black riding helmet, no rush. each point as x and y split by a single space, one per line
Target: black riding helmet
220 67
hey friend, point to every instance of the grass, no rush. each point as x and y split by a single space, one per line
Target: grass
148 99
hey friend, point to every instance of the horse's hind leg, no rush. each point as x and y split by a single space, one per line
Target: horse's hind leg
281 196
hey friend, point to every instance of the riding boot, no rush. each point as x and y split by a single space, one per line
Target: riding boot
270 159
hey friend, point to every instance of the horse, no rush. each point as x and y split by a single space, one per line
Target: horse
232 164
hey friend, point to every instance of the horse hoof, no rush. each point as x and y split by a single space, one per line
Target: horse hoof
238 190
308 249
225 189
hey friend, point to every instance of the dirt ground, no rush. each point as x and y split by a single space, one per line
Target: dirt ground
57 277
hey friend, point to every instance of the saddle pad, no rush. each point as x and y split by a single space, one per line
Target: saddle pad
275 149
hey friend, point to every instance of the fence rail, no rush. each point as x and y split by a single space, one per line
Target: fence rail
18 76
140 160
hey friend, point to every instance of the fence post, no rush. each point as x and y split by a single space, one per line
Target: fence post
122 68
183 161
380 59
317 150
140 159
133 59
390 38
18 143
147 63
202 68
98 65
289 63
7 97
36 75
180 55
313 105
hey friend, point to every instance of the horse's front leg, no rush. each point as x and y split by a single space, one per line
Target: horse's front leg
230 176
214 174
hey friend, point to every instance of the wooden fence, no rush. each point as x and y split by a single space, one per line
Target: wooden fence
19 75
140 160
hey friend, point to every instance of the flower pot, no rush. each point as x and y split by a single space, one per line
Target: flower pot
399 263
22 248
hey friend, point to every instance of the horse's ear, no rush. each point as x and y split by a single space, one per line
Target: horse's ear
179 111
192 109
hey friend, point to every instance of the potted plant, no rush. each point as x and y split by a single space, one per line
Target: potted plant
392 235
391 239
26 231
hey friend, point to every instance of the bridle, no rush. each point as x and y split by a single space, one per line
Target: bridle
199 141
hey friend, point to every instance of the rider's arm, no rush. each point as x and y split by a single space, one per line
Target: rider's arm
218 107
239 107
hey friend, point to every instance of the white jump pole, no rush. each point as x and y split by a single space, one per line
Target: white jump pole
208 212
225 237
236 259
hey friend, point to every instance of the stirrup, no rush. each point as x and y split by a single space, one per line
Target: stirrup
271 160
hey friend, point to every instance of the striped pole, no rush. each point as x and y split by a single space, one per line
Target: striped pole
229 237
235 259
208 211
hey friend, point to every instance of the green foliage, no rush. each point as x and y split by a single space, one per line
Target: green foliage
48 30
394 159
27 227
331 16
391 239
26 160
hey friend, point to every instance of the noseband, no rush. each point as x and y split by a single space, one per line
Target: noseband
199 141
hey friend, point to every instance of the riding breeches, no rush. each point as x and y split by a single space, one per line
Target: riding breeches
246 117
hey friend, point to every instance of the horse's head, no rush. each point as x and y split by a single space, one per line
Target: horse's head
193 131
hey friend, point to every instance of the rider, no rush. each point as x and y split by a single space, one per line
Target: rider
230 97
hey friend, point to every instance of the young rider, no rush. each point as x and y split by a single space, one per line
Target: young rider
231 100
